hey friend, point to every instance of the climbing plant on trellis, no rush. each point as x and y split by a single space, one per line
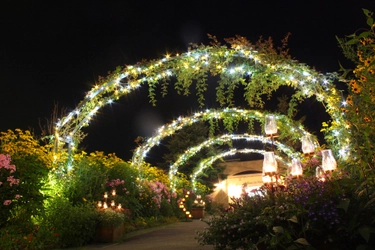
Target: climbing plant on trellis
287 151
205 163
258 68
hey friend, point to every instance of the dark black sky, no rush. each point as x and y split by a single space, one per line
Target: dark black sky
54 51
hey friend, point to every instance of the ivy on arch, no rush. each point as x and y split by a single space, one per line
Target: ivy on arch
288 128
205 163
258 67
288 151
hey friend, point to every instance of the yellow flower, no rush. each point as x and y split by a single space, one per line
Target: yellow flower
367 62
363 79
366 119
352 82
344 110
349 100
356 89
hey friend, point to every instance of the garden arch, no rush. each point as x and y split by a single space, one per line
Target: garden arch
230 117
257 67
210 160
223 139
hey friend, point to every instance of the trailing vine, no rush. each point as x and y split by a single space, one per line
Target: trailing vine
259 68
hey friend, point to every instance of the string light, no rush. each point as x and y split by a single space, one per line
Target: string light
287 71
169 129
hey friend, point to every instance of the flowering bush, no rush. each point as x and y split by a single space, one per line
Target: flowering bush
8 193
33 164
307 214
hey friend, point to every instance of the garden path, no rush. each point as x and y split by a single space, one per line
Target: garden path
177 236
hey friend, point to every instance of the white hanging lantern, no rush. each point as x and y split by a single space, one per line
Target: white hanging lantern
296 168
319 173
308 146
266 179
270 125
269 163
328 161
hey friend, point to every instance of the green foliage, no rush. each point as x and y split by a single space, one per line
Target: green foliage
75 224
110 218
166 208
86 180
308 214
33 175
360 108
186 138
32 167
122 177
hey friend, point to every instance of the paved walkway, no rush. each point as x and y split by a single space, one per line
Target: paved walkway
177 236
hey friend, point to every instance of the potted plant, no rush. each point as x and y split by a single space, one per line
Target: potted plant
110 226
197 209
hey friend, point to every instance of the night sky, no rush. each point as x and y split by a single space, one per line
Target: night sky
54 51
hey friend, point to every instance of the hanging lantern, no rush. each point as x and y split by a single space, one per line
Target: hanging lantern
308 146
270 126
328 161
266 179
105 195
296 168
319 173
113 192
269 163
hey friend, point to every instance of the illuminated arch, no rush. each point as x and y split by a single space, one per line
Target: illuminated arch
227 138
223 139
286 125
210 160
237 63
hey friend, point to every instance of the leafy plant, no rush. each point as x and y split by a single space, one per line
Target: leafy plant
110 218
27 183
74 224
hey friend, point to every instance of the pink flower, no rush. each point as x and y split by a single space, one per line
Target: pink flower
1 183
7 202
17 196
13 181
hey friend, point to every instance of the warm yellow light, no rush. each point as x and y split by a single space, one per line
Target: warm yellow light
308 146
269 163
270 126
105 195
328 161
234 191
266 179
296 168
